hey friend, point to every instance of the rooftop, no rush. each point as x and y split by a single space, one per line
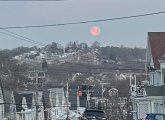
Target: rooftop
157 43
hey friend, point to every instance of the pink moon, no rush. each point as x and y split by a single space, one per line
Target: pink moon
95 31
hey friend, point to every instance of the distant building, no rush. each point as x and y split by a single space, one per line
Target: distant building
87 58
37 77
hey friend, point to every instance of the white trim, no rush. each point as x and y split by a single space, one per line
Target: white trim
155 97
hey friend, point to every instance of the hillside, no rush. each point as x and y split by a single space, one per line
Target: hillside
14 63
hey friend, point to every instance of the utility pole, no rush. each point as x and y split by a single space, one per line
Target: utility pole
35 76
102 91
130 82
79 93
67 101
103 88
103 99
135 82
88 98
36 99
2 113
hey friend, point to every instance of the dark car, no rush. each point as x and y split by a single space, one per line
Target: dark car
154 116
94 114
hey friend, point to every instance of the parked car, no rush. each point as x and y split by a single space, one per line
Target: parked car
94 114
154 116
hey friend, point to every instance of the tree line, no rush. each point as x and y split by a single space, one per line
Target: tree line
106 52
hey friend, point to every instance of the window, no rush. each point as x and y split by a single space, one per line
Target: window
156 107
163 76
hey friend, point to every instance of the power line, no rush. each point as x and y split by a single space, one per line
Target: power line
39 43
83 22
23 38
19 38
35 0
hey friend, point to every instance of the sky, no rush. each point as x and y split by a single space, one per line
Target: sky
126 32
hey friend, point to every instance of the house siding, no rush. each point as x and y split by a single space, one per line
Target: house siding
26 115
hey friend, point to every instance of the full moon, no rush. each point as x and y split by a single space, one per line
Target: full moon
95 31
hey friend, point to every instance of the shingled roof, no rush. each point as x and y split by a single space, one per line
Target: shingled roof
157 44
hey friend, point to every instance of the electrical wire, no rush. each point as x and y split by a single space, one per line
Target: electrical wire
84 22
21 38
35 0
34 41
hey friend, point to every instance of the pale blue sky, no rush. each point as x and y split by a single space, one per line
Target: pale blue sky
128 32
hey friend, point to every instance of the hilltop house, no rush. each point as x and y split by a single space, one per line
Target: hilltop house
150 98
88 58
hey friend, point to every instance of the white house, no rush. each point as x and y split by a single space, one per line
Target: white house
151 98
26 103
57 102
25 106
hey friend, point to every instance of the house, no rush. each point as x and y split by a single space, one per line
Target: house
54 102
37 76
151 98
63 103
7 103
40 105
57 102
9 106
73 89
88 58
46 104
26 104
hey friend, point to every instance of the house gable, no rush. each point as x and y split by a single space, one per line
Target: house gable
9 108
156 45
19 100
